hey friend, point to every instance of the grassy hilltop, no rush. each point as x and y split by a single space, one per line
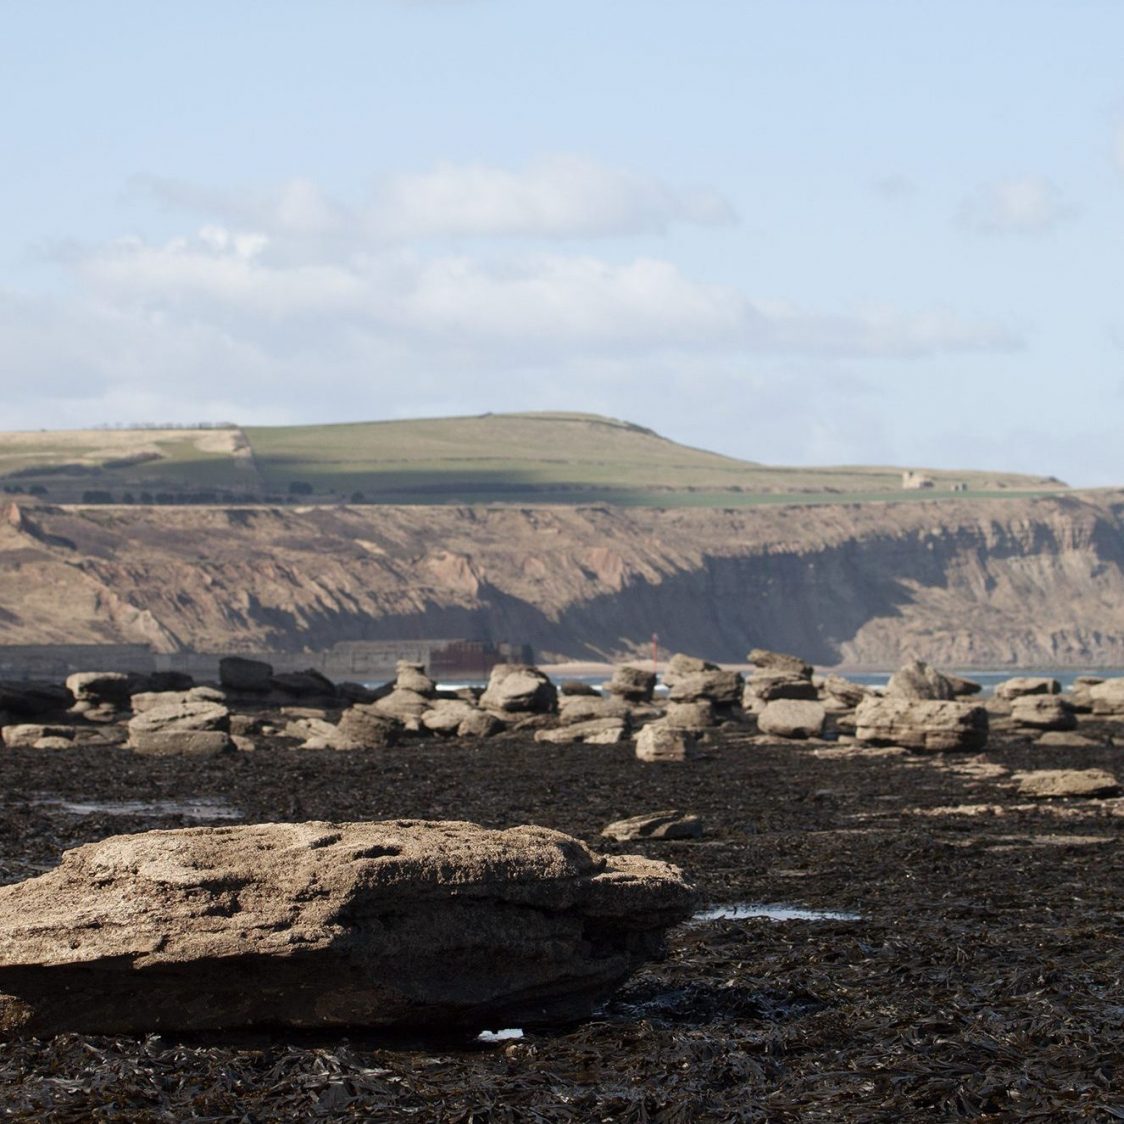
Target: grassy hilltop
491 458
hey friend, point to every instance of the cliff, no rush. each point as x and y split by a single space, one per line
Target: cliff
986 582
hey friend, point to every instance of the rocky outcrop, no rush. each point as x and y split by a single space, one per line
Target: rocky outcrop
405 924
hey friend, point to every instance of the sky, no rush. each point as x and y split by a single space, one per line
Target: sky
810 232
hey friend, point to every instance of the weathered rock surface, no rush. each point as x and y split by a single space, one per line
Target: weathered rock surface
189 743
1051 783
764 686
779 661
367 727
792 718
722 688
446 715
655 825
1043 712
660 742
596 731
30 735
519 688
113 687
409 676
843 693
584 709
695 715
917 680
1026 685
632 683
391 925
187 726
149 700
925 724
1108 698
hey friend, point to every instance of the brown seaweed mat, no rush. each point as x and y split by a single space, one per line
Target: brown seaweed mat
983 980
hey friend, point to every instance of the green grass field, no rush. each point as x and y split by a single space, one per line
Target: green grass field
491 458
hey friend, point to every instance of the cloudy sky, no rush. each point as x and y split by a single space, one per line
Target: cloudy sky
810 232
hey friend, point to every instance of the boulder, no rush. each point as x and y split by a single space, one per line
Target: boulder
148 700
367 727
917 680
396 925
1108 698
575 687
479 724
28 736
446 715
842 694
186 743
680 665
185 715
307 684
357 693
597 731
792 718
1065 739
412 677
30 699
655 825
659 742
519 688
404 706
1026 685
778 661
962 687
1043 712
722 688
764 686
99 687
246 676
632 683
695 715
170 681
582 709
924 724
1053 783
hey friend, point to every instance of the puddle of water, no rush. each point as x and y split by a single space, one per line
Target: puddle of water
189 809
505 1035
744 910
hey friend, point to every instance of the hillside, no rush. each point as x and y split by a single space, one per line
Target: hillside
492 458
1026 582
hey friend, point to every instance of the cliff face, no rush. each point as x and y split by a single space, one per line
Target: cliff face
1019 582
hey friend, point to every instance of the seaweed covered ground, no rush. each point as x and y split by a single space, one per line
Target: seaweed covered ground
981 980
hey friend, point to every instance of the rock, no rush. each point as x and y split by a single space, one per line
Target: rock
172 742
655 825
1065 739
308 684
30 699
367 727
659 742
357 693
98 687
406 707
170 681
412 677
1043 712
680 665
695 715
917 680
54 743
962 687
1026 685
1050 783
778 661
764 686
925 724
583 709
597 731
147 700
246 725
186 715
1108 698
843 692
28 736
632 683
723 688
479 724
403 925
246 676
792 718
519 688
318 733
446 715
575 687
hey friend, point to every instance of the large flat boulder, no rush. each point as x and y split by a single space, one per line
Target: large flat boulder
519 689
1023 685
1050 784
792 718
403 924
632 683
246 676
926 724
1043 712
1108 698
780 661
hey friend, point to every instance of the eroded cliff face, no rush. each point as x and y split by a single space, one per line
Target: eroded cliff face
1018 582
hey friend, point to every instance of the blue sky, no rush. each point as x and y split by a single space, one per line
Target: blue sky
811 232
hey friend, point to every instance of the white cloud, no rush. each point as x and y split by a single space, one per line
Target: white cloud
553 197
1026 205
